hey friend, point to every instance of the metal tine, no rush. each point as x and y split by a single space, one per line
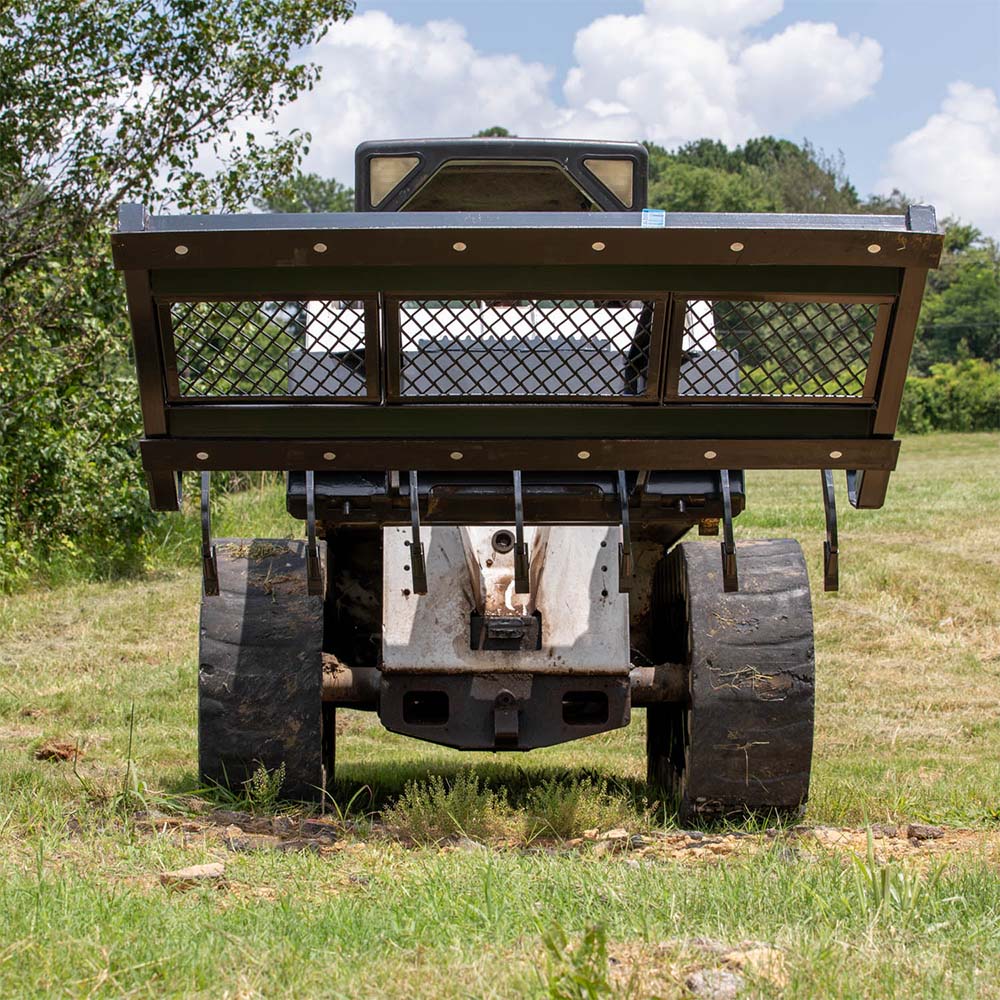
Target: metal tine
314 573
831 547
625 563
417 566
852 487
730 571
522 565
209 563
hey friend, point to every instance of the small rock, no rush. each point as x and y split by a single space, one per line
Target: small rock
715 984
883 830
636 841
692 834
229 817
618 834
632 863
923 831
469 845
187 878
318 828
590 834
243 843
284 826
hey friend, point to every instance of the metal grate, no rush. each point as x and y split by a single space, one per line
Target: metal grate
529 347
270 348
783 349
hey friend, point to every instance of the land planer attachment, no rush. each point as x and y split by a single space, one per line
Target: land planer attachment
504 392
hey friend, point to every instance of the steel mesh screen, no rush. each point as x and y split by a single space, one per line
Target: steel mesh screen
501 349
270 348
784 349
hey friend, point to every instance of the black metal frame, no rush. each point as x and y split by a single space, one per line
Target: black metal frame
433 154
782 258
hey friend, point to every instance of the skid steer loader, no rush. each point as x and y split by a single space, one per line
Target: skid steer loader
503 391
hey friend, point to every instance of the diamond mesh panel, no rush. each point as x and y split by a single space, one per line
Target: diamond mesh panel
251 348
744 348
499 349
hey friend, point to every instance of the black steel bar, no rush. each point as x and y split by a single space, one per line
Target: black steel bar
404 239
730 572
417 565
626 566
314 571
209 563
522 568
787 283
831 546
544 454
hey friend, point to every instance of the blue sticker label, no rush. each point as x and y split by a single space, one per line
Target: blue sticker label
654 218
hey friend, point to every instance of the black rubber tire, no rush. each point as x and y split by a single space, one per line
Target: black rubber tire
743 741
260 670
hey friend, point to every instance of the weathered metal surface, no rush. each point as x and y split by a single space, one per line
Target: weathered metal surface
574 588
538 709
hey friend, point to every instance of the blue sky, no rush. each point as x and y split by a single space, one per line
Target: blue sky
906 89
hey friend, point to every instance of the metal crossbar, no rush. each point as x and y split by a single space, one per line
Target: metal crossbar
270 348
482 348
777 349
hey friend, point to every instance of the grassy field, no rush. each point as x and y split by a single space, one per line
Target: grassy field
447 875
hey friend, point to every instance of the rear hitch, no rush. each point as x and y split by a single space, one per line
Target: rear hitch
505 724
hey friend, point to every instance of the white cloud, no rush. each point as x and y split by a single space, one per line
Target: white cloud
680 70
384 80
953 159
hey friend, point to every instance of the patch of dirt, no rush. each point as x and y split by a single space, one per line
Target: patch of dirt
698 967
58 750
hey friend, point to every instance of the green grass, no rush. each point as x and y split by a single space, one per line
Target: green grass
908 728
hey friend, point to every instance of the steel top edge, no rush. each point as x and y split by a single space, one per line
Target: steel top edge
553 221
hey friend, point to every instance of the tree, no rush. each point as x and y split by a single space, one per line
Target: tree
493 132
100 103
960 317
308 193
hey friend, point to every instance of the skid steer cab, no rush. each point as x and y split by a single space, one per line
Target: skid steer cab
503 392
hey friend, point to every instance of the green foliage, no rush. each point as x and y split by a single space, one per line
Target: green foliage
764 175
435 809
105 103
576 970
888 893
263 788
308 193
964 396
960 317
560 808
493 132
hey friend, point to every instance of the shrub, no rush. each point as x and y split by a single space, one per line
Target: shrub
963 396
